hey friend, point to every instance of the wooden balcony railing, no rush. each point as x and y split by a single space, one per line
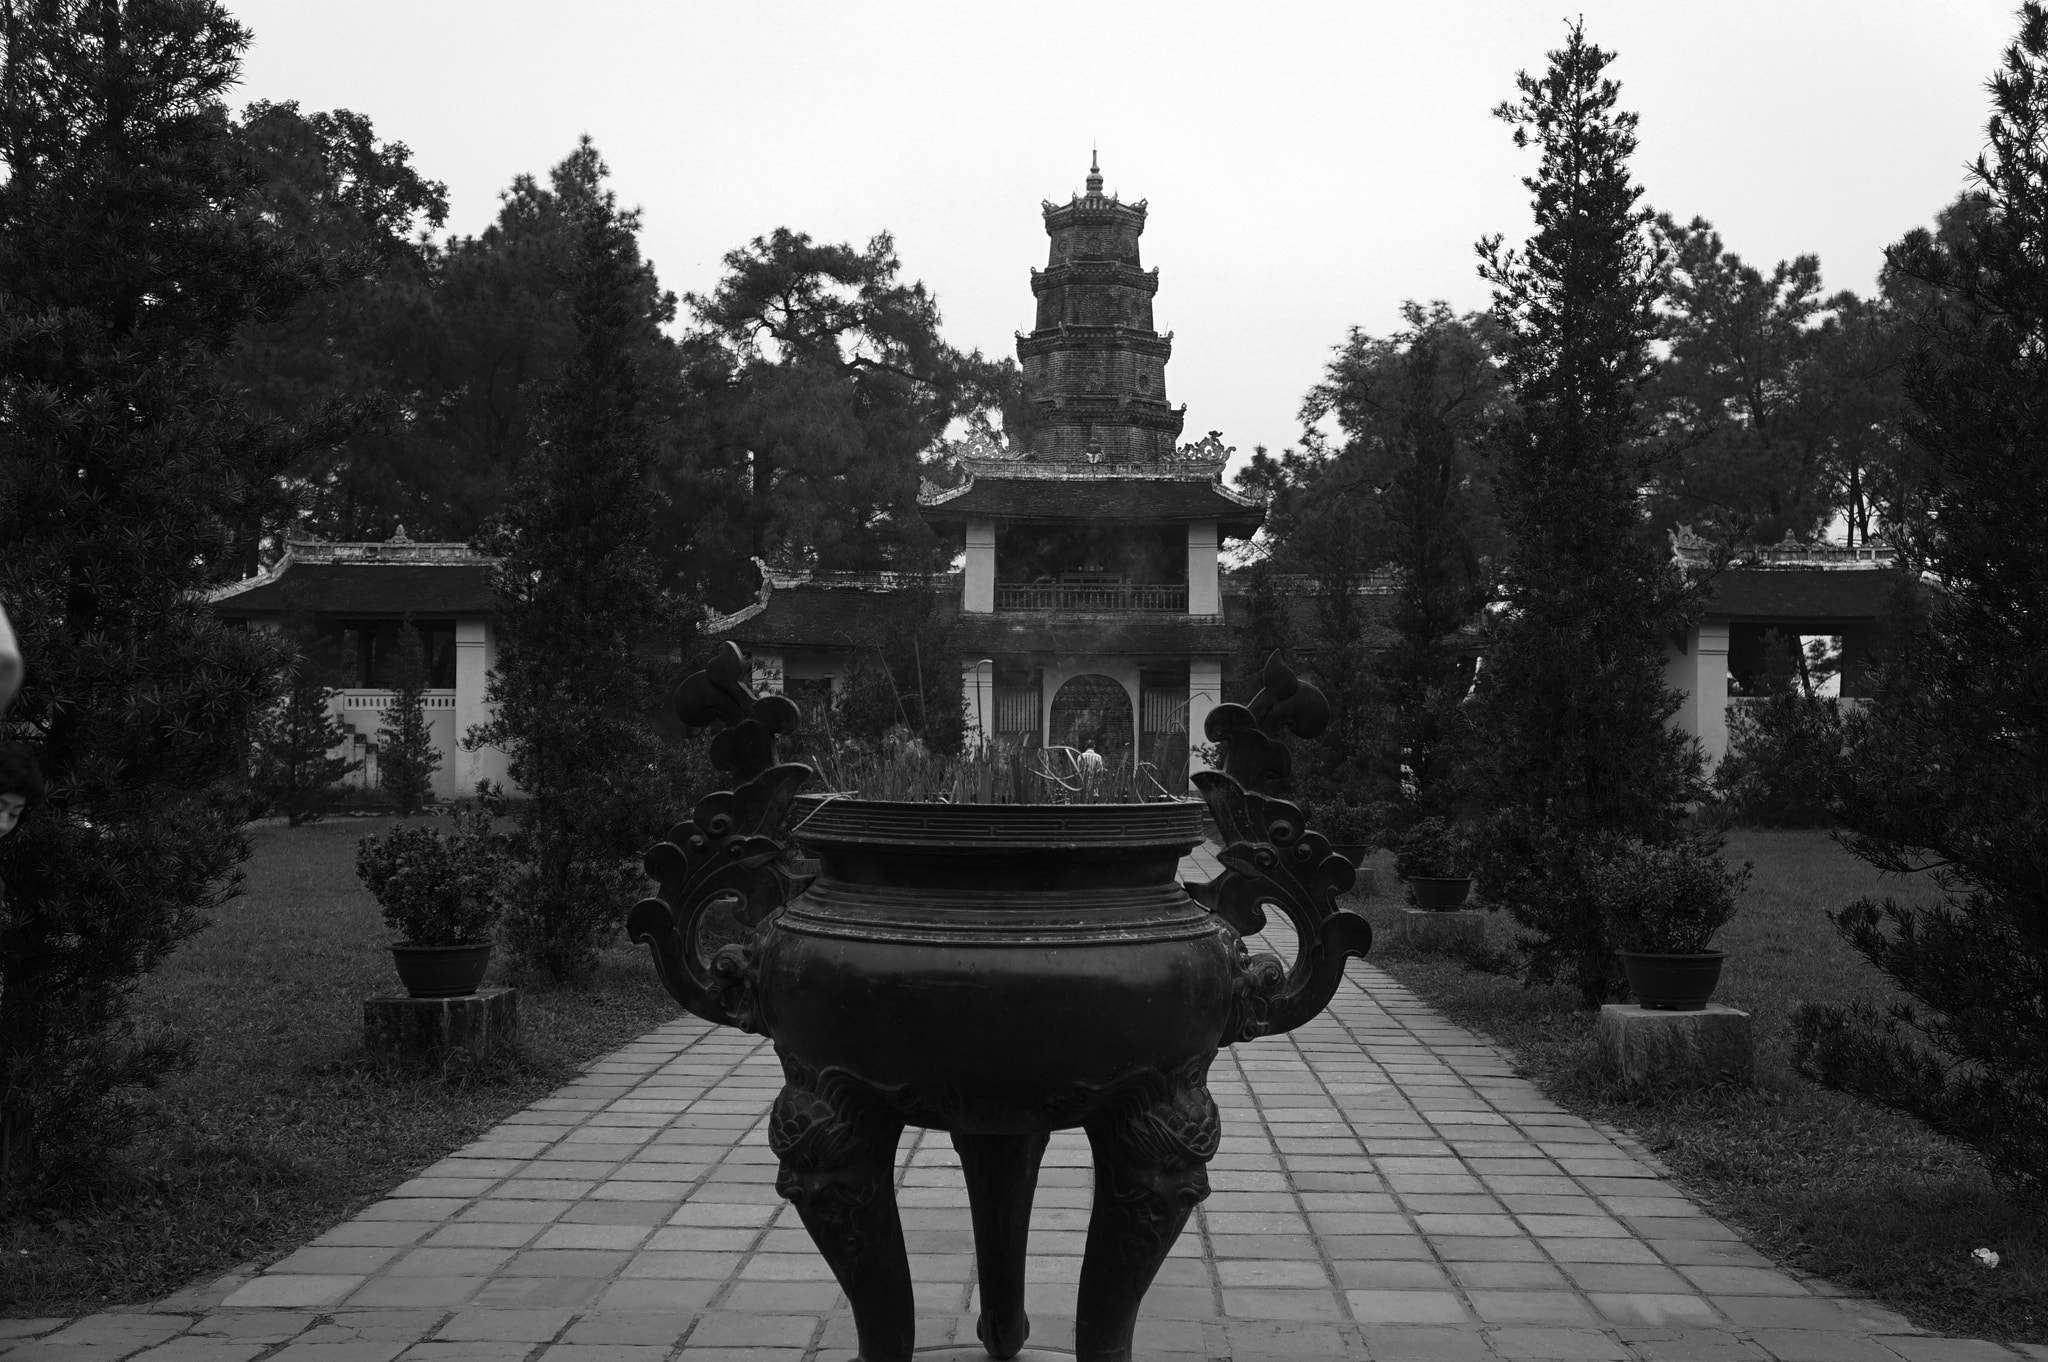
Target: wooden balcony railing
1158 597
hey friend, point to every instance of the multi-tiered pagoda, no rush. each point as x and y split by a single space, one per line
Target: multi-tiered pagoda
1089 606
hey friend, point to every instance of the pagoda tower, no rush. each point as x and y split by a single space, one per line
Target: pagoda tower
1094 367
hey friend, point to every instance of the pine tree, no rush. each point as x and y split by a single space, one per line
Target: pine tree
586 626
407 757
129 256
1948 766
1571 742
294 771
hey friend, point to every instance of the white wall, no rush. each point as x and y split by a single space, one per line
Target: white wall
1699 673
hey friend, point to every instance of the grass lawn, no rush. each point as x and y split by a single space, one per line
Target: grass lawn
1854 1194
281 1126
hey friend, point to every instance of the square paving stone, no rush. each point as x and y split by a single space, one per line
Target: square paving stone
1272 1272
1688 1345
189 1349
1346 1247
1785 1312
482 1234
1821 1345
1598 1250
1550 1341
1532 1307
1424 1343
523 1326
783 1298
565 1234
649 1293
1509 1276
1742 1281
1458 1248
1705 1252
422 1291
374 1233
452 1262
291 1290
1627 1277
353 1260
723 1328
566 1263
1396 1275
1276 1303
1652 1307
1376 1306
539 1293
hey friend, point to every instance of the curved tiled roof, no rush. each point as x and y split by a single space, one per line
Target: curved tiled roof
1126 498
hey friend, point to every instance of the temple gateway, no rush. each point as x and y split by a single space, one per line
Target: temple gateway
1090 607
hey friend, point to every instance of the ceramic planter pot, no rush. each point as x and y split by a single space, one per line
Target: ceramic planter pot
1671 981
1354 852
441 971
1440 893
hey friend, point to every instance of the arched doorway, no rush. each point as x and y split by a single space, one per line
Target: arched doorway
1093 709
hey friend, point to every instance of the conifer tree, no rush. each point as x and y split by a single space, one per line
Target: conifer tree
295 771
587 628
1948 766
1570 716
407 757
129 256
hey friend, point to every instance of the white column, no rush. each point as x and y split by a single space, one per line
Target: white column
1203 595
980 597
1205 692
1699 674
472 665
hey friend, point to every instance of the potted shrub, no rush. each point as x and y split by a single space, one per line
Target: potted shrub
1435 858
1351 824
439 891
1662 906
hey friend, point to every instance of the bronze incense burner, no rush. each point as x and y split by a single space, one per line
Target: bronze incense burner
999 972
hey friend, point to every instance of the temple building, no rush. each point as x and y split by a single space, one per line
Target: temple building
1089 605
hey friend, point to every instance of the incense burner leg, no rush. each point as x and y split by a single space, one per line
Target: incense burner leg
1151 1169
838 1151
1002 1176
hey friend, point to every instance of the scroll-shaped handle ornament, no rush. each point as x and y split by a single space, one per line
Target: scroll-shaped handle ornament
1271 857
732 849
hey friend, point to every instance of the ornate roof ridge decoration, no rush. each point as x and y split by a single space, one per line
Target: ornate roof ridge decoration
1075 470
930 494
398 551
1693 549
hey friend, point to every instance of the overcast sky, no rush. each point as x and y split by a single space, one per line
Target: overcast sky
1308 166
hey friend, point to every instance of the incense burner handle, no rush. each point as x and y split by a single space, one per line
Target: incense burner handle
732 849
1272 859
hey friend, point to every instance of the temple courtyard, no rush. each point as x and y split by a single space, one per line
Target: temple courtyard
1388 1188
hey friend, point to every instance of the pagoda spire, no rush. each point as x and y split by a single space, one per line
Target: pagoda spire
1094 365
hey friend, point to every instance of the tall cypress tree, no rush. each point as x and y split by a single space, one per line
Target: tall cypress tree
1948 771
586 626
1570 720
129 256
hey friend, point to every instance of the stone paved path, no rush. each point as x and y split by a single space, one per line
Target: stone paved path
1387 1189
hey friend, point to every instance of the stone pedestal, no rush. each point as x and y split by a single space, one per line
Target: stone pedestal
1710 1046
432 1028
1367 885
1427 929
